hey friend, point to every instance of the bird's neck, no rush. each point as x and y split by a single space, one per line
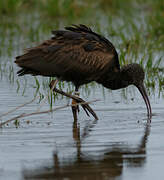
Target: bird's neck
115 80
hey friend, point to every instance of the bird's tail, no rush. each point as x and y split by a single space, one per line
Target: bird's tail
26 63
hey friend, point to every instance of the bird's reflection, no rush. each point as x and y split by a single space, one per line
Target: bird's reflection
81 167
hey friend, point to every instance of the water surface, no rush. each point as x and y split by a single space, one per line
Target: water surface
120 145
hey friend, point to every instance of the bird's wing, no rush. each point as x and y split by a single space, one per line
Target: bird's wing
74 51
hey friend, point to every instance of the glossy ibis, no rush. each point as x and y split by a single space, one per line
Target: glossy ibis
79 55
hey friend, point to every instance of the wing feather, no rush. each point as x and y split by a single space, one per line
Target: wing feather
75 52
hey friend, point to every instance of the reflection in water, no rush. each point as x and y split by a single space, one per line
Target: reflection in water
107 166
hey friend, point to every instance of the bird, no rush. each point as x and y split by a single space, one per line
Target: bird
79 55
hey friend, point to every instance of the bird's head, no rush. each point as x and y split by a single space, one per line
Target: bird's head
133 74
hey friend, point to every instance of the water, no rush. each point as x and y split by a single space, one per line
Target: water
120 145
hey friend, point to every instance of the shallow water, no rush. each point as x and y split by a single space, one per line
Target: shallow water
120 145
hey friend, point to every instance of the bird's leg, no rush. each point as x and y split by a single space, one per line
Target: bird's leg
85 106
75 107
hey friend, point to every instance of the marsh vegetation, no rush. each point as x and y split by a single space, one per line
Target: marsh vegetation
136 32
120 137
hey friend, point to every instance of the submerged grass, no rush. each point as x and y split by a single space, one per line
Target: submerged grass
9 6
136 32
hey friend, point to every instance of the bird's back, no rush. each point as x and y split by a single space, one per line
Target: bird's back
76 54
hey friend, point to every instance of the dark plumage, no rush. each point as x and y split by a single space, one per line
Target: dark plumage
80 55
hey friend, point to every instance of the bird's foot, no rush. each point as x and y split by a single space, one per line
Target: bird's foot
84 105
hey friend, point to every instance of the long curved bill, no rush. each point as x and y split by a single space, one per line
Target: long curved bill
142 90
